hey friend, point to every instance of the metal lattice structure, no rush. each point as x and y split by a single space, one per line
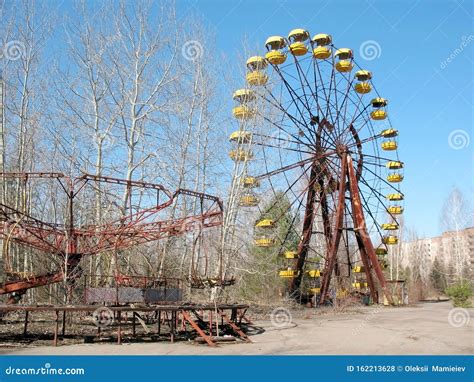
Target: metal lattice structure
74 232
313 129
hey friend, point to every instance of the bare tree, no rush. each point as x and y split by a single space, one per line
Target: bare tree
456 215
25 29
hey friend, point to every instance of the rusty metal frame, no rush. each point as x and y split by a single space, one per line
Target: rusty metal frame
366 248
171 313
72 243
336 234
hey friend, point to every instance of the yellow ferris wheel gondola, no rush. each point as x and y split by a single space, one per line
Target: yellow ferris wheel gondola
274 45
389 145
379 105
241 136
288 273
265 223
395 177
290 255
344 58
265 242
240 155
244 110
395 210
395 197
243 95
248 200
298 38
250 182
360 285
389 133
394 165
322 51
390 240
389 226
363 86
314 273
256 75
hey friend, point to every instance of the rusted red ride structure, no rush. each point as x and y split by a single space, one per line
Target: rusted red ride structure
347 186
72 237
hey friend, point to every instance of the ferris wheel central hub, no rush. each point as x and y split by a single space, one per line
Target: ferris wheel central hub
341 149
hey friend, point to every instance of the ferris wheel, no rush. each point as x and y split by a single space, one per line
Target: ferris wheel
313 129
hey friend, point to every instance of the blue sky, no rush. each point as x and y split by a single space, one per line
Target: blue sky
424 67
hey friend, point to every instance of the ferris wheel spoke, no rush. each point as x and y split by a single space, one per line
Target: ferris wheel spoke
280 127
354 119
294 96
326 97
296 122
281 107
298 197
367 123
357 107
314 96
327 140
374 164
332 103
295 165
366 140
281 145
279 170
301 76
377 157
378 195
381 179
369 212
331 83
333 86
298 164
345 103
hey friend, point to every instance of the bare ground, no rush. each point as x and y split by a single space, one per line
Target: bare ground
420 329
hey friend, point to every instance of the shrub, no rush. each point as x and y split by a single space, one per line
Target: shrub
460 293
